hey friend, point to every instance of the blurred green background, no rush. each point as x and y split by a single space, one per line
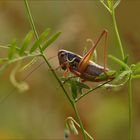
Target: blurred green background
40 112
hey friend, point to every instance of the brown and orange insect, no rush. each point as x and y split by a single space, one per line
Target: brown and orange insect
83 67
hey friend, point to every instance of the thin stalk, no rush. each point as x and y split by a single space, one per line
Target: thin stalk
44 57
130 107
117 34
53 72
85 94
55 75
130 79
79 120
31 20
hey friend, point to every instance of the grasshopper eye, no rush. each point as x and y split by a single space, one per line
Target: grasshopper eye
62 55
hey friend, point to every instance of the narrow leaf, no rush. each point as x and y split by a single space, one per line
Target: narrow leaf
12 49
82 85
116 4
126 59
73 128
73 89
26 42
110 4
104 4
41 39
51 40
120 62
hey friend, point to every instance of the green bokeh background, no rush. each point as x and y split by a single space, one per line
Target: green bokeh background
40 112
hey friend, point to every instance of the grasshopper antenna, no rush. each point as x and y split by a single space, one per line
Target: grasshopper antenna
26 77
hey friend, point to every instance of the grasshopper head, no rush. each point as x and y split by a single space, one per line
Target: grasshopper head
63 58
67 57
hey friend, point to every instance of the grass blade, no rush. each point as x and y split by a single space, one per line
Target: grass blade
116 4
110 4
51 40
26 42
40 40
73 89
12 49
120 62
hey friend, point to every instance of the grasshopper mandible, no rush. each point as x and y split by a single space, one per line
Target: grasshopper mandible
83 67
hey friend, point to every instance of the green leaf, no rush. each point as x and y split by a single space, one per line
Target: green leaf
73 89
41 39
51 40
82 85
12 49
110 4
116 4
126 62
73 128
75 85
106 6
126 59
120 62
26 42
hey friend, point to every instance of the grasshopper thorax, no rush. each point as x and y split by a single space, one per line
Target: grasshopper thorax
68 58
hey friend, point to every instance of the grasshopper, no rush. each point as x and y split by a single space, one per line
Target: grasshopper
83 67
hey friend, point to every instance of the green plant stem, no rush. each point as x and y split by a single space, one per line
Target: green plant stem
61 85
79 120
53 72
130 107
117 34
44 57
32 21
130 79
85 94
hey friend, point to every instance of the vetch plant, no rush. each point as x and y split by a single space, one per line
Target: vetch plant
112 79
